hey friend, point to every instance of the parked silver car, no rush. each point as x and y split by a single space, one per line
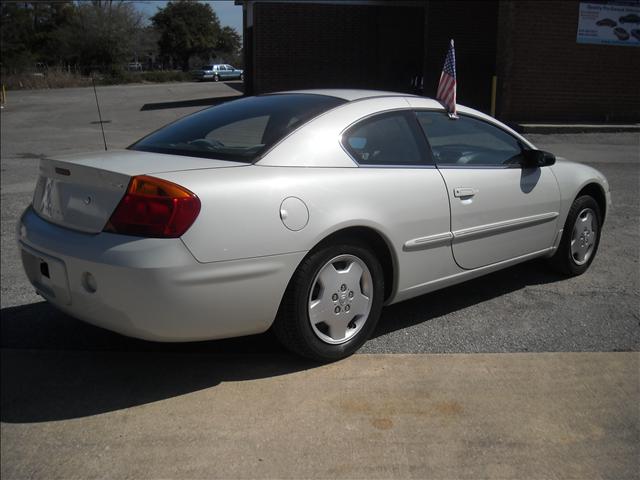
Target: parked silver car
303 211
218 72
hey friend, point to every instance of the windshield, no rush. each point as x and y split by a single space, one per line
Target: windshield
239 130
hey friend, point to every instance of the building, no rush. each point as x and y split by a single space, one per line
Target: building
543 70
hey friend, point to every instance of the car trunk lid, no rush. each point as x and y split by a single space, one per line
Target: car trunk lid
81 192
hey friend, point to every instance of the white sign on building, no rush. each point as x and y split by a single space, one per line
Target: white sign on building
609 24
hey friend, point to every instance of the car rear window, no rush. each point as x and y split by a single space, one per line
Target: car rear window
239 130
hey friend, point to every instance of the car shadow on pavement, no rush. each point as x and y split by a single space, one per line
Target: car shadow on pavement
54 367
198 102
458 297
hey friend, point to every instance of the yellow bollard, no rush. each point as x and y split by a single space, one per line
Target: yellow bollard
494 88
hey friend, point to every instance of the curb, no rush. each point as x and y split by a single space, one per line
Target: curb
577 128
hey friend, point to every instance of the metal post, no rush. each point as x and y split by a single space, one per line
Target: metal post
494 88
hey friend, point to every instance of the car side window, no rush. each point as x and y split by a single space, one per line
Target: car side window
468 141
387 139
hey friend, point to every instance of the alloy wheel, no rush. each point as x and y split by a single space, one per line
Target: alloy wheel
340 299
583 236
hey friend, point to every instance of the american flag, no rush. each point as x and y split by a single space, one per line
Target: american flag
447 86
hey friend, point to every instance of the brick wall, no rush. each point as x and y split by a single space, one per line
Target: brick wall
543 74
331 45
472 25
546 75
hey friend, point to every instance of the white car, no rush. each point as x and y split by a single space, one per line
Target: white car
304 212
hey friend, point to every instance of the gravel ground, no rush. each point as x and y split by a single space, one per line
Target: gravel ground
526 308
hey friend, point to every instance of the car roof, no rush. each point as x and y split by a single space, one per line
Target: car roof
415 101
349 94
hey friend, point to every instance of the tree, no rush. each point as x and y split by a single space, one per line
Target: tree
102 34
99 33
49 18
29 32
145 46
16 30
229 41
187 28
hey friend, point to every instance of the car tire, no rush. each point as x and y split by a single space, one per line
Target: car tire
242 76
216 78
342 283
580 237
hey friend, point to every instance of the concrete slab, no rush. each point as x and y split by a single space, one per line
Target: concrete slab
99 415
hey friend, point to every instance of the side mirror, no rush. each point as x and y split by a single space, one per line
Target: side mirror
538 158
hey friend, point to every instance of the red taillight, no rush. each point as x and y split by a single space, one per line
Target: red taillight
154 208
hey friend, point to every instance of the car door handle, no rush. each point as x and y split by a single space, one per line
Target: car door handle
464 192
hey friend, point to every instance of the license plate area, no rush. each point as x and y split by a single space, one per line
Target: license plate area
47 274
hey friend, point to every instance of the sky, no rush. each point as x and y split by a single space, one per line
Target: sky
228 12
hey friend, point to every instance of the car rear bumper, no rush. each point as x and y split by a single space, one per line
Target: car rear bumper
151 288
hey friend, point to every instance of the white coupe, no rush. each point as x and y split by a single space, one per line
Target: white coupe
304 212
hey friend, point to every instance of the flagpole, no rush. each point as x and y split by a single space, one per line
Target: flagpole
446 93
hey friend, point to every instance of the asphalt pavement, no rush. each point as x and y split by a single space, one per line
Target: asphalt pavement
78 401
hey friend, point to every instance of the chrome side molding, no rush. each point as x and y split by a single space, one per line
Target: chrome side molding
431 241
493 228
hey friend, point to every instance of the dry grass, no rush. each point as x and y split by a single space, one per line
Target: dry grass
63 79
52 79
